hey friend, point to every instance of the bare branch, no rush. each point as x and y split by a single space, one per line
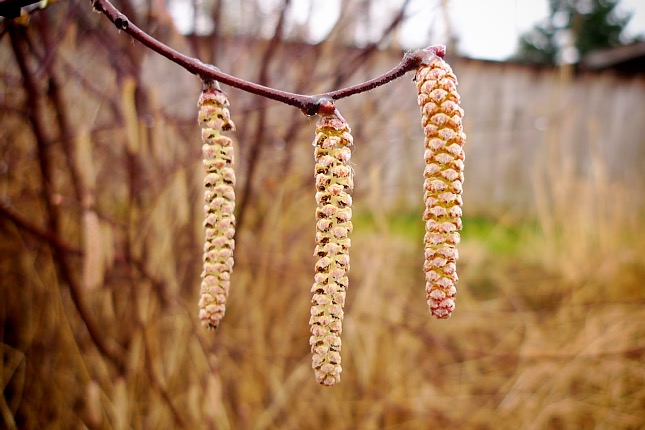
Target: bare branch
9 213
309 104
107 347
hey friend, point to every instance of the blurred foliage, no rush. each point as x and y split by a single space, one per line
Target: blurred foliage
584 25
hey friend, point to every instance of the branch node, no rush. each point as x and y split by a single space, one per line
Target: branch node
319 105
97 6
121 22
210 67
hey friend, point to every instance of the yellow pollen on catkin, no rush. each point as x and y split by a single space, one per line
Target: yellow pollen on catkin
444 154
219 203
334 182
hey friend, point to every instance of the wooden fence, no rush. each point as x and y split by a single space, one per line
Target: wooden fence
524 124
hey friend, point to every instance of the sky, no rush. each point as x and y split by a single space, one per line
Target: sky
486 29
482 30
492 32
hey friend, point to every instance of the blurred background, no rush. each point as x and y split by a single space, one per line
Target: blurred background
101 207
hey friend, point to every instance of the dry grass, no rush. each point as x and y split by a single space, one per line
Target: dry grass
549 330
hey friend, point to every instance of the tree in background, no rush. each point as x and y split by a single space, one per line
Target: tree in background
573 29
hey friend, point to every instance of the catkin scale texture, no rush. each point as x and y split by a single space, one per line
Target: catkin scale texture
444 166
334 182
219 203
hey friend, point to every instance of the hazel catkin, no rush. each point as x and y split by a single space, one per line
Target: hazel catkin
334 182
444 165
219 203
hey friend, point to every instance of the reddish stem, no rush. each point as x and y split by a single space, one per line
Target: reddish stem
307 103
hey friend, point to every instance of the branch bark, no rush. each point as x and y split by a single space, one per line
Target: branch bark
308 104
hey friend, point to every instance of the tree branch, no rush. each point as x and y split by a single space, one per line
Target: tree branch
256 146
352 66
309 104
8 212
107 347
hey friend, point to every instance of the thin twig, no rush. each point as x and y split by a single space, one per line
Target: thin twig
410 61
309 104
352 66
8 212
66 135
258 138
106 346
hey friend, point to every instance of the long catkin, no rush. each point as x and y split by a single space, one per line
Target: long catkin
444 167
219 203
334 183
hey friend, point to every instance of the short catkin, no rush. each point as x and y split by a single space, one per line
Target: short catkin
219 203
444 167
334 182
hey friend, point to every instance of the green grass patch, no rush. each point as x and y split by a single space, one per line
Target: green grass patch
498 236
406 224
